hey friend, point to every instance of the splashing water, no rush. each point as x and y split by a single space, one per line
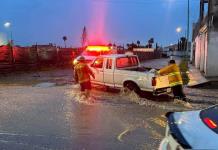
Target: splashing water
132 96
75 95
124 97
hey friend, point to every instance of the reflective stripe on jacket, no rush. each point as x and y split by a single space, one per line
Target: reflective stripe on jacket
173 73
83 72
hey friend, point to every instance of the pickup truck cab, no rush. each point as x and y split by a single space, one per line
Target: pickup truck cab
120 70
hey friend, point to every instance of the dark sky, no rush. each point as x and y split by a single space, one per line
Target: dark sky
119 21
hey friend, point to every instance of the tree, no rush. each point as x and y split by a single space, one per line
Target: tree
183 43
65 39
128 46
138 43
179 46
110 45
133 45
184 69
84 37
150 42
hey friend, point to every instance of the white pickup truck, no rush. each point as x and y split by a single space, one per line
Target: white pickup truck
120 70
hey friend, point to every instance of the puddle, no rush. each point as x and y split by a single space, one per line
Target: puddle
45 85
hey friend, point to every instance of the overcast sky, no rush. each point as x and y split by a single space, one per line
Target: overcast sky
119 21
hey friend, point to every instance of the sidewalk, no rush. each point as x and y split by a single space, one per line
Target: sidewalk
195 76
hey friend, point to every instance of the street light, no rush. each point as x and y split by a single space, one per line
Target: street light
178 29
7 25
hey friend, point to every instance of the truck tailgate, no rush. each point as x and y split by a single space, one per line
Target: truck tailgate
162 82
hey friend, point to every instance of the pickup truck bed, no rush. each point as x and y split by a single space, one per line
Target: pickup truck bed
139 69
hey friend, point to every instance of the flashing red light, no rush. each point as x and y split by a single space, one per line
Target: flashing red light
98 48
210 123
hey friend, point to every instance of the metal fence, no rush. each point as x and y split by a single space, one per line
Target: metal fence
143 56
18 58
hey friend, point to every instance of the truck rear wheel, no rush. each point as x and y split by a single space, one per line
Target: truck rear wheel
131 87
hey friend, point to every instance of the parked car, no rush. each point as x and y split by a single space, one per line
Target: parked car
120 70
192 130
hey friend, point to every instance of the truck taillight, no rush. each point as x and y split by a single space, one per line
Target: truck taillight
154 82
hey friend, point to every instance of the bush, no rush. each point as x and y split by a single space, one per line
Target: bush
184 70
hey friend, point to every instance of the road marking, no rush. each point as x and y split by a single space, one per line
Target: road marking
28 135
120 136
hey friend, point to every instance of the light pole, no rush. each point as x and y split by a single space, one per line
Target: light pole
188 20
178 31
7 25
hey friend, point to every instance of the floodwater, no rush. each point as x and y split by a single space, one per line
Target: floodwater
49 116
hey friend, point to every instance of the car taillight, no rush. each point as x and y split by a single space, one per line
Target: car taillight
210 123
154 82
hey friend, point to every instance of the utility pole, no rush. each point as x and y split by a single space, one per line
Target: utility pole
84 37
188 20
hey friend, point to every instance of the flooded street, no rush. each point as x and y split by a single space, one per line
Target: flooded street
52 116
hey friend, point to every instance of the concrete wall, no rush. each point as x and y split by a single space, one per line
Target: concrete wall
197 52
201 50
212 62
206 40
206 54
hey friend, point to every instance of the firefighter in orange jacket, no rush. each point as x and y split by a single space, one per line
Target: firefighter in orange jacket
175 79
82 75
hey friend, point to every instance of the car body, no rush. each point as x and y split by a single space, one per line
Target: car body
121 70
192 130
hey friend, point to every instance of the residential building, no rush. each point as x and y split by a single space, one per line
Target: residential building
205 39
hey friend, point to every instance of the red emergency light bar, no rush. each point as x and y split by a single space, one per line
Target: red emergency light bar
98 48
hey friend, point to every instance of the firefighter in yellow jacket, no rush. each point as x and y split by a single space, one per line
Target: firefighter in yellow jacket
82 75
175 79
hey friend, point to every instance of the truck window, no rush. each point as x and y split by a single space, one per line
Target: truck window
98 63
125 62
109 64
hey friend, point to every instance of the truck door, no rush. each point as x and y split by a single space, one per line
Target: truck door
97 68
109 73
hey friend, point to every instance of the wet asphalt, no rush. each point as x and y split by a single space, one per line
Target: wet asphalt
49 117
43 111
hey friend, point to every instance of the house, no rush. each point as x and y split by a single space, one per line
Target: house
205 39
